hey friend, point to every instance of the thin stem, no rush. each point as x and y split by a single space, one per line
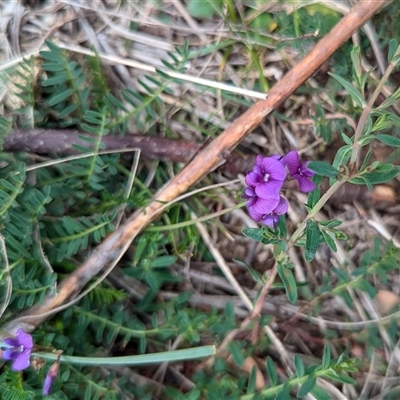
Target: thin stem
322 201
195 221
174 355
368 109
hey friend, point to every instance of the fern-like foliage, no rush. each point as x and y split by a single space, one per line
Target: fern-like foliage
64 88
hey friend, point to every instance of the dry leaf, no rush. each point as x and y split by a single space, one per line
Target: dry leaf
248 365
386 300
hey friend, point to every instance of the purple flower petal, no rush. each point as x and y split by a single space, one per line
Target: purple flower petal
305 184
19 351
50 376
249 193
292 161
24 339
279 158
271 220
305 171
265 206
253 179
47 385
11 342
22 361
299 171
259 160
268 189
282 206
253 214
274 169
11 354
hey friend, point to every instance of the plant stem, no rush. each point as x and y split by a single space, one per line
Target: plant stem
368 109
322 201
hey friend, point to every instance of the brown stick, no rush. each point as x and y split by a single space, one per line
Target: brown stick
62 141
204 162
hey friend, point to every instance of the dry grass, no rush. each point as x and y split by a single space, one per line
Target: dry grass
131 38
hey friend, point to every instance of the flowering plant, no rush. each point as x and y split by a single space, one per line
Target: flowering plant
265 181
18 350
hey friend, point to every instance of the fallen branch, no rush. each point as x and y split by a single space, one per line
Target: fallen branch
63 141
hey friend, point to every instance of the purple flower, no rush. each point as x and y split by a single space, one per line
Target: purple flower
50 376
257 205
299 171
18 349
266 177
272 218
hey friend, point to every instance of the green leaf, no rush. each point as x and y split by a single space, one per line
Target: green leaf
284 393
163 261
323 168
315 195
353 92
346 139
288 280
264 235
340 377
253 233
326 358
236 352
58 98
59 79
201 9
342 156
389 140
356 61
299 366
272 373
251 386
53 67
307 386
320 393
312 240
329 239
380 175
392 49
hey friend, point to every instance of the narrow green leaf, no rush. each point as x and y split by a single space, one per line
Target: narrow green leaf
53 67
68 110
322 168
50 56
299 366
346 139
307 386
329 240
353 92
253 233
60 97
320 393
315 195
389 140
236 352
356 61
163 261
288 280
377 176
272 373
251 386
284 393
60 78
326 357
392 49
200 9
340 377
312 240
